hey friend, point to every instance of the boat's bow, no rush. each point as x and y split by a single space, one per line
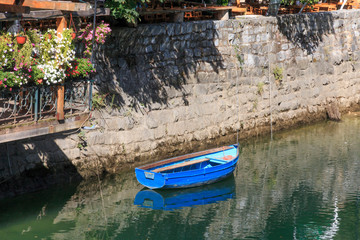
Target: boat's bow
150 179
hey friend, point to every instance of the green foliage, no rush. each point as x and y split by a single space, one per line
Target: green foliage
7 50
278 74
124 9
260 88
34 36
222 2
98 100
38 76
239 57
22 54
80 67
82 143
7 80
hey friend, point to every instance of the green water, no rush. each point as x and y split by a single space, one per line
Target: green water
305 184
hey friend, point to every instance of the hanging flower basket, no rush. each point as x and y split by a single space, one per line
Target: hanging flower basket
73 35
49 36
21 39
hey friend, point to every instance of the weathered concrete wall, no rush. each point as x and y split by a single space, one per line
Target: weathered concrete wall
173 88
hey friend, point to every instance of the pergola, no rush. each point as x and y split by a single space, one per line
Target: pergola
44 9
39 9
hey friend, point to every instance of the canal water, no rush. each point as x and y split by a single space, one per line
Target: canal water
304 184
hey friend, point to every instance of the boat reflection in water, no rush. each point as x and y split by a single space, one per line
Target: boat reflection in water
172 199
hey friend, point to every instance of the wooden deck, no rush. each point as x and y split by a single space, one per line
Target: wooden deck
24 131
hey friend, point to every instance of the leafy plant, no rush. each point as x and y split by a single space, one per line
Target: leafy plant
7 51
125 9
7 80
239 57
82 140
98 100
222 2
260 88
80 67
278 74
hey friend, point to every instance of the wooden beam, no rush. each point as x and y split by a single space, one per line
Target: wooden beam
41 128
61 25
46 14
14 8
51 5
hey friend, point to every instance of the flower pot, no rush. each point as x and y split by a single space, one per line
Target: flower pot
21 39
49 36
73 35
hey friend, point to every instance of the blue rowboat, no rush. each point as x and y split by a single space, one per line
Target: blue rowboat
190 170
172 199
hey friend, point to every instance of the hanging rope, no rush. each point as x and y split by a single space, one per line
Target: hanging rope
270 102
238 103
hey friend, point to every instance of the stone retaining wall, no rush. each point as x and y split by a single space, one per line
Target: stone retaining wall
179 87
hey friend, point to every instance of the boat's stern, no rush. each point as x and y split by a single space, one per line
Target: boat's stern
150 179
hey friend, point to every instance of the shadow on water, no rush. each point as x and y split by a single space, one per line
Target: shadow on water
33 215
34 164
143 62
179 198
306 30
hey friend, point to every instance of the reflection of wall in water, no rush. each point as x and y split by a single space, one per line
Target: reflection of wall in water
308 168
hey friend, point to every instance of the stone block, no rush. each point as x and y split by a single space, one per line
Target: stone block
64 143
72 153
95 138
120 124
151 123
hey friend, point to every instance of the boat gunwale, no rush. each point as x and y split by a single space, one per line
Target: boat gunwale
186 156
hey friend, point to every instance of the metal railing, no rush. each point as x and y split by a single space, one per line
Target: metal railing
38 102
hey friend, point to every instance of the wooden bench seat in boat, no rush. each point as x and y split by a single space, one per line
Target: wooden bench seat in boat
183 164
178 159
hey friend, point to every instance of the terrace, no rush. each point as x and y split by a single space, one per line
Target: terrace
32 106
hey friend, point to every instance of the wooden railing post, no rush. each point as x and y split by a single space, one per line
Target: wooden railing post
61 24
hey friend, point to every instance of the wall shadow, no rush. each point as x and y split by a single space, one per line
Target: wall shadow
34 164
306 30
143 63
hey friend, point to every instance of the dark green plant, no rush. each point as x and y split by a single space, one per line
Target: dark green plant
81 67
37 76
124 9
34 36
222 2
7 80
22 53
